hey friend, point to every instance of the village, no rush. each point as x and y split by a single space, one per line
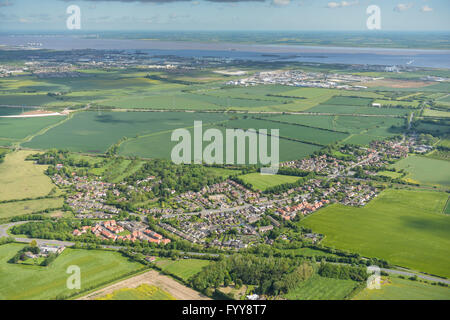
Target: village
227 214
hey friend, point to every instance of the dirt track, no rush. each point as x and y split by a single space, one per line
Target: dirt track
152 277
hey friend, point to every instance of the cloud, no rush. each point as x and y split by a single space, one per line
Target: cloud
401 7
169 1
342 4
6 3
426 9
281 2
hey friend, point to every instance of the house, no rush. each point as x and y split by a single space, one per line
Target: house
265 229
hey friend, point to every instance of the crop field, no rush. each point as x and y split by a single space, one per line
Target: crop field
35 282
403 289
263 182
95 133
18 208
447 207
10 111
406 228
184 268
436 113
433 128
159 145
28 182
356 110
320 288
142 292
362 130
426 170
14 129
299 133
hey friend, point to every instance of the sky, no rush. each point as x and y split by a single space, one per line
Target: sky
210 15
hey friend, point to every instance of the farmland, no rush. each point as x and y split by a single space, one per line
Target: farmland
17 208
184 268
142 292
403 289
95 133
425 170
13 130
161 146
28 182
320 288
263 182
36 282
406 228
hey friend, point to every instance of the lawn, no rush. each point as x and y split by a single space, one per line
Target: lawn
426 170
18 208
263 182
320 288
21 179
20 282
406 228
404 289
142 292
183 268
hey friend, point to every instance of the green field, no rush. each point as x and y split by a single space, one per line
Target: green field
28 182
290 131
16 129
320 288
18 208
426 170
159 145
403 289
94 132
362 129
406 228
183 268
20 282
390 174
142 292
263 182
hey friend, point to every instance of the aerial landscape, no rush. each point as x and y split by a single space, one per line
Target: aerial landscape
143 159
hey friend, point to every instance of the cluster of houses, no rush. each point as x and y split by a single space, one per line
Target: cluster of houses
323 164
122 230
44 251
223 195
304 208
89 199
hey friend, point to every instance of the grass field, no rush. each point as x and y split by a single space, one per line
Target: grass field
184 268
142 292
35 282
404 289
426 170
320 288
406 228
11 209
390 174
21 179
263 182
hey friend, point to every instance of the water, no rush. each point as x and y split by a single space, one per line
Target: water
375 56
